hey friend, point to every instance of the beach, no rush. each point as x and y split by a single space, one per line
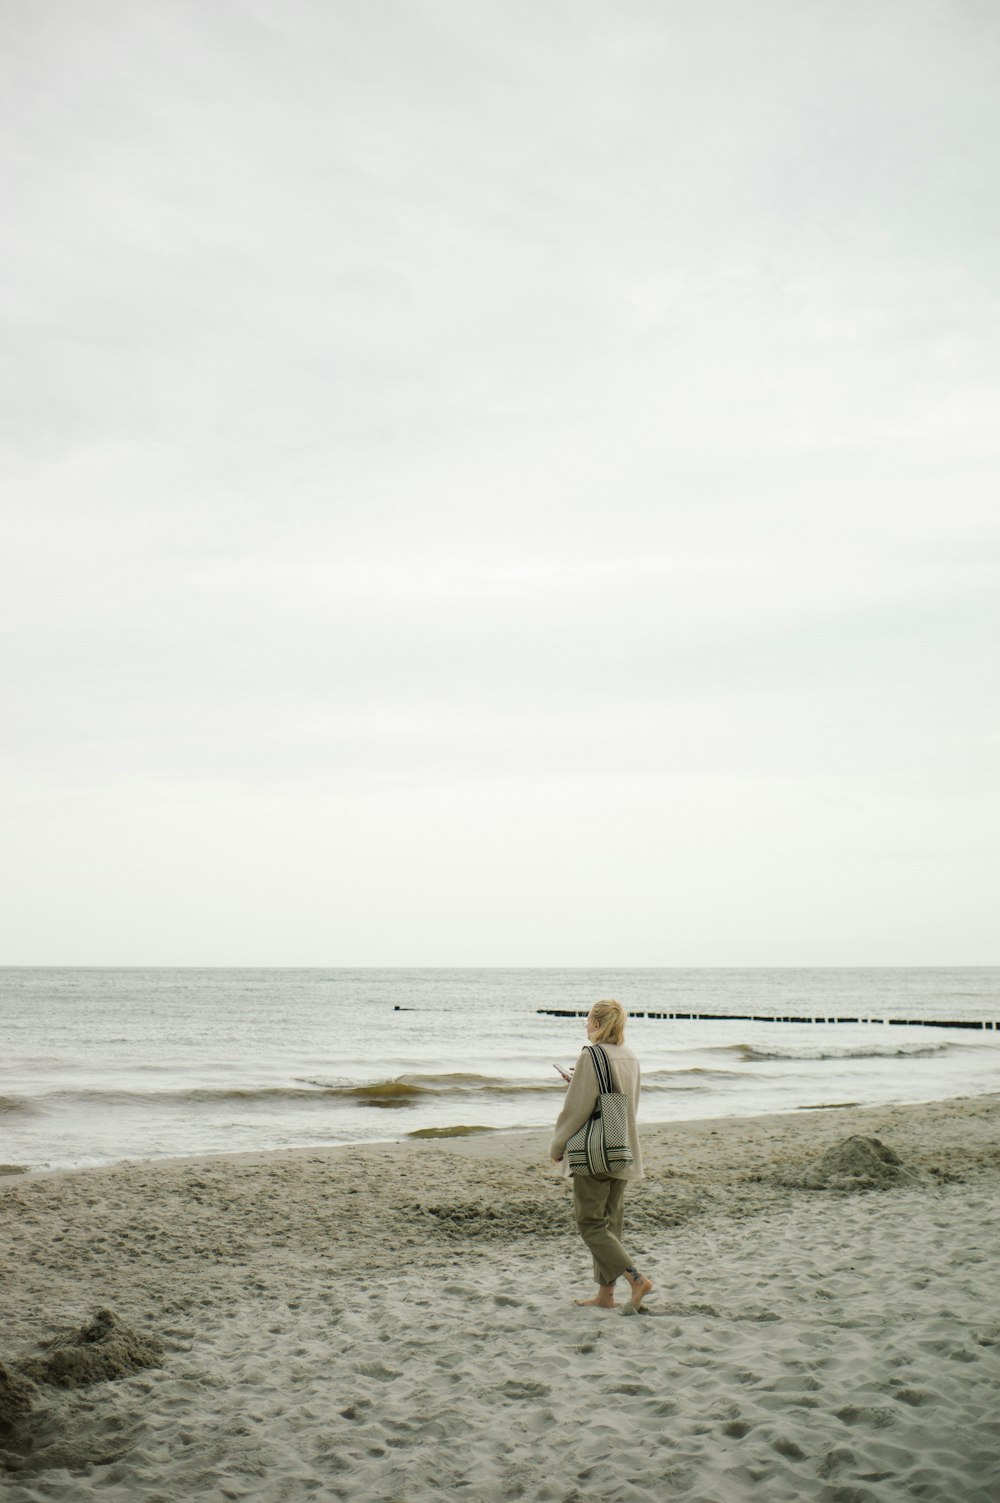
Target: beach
396 1321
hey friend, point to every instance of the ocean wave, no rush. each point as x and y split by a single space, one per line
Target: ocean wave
751 1053
383 1093
405 1089
667 1078
18 1106
401 1090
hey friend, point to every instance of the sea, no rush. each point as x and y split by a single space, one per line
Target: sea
99 1066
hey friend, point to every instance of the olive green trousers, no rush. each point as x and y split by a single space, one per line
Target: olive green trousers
599 1204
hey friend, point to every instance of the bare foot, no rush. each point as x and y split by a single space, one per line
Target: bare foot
640 1288
600 1301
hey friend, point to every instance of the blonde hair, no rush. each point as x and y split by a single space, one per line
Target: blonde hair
610 1019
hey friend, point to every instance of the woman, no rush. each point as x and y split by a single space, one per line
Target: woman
599 1199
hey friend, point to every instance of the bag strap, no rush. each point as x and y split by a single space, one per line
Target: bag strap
602 1068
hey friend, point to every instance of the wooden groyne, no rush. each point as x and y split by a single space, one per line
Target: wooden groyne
982 1024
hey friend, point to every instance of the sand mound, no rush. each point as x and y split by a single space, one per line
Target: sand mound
17 1398
857 1164
103 1349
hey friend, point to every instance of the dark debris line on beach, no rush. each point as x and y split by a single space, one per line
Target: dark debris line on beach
739 1017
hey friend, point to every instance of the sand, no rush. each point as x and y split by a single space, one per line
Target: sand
396 1322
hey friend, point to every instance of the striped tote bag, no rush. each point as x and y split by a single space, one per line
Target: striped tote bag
601 1145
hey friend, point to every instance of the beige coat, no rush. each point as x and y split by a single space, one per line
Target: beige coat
581 1098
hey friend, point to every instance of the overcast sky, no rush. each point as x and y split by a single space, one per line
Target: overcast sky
503 482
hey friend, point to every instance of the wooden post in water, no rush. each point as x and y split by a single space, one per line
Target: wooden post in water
983 1024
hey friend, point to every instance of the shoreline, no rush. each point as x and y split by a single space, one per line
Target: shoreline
461 1133
396 1321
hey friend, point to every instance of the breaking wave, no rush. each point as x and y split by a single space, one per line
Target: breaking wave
402 1090
399 1091
17 1106
751 1053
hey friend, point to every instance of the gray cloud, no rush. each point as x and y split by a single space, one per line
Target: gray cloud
542 425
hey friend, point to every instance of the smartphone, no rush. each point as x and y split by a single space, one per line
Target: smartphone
566 1075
